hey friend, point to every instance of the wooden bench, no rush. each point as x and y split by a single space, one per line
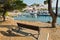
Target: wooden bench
32 27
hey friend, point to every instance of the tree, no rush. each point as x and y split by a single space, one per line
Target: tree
53 15
7 5
19 4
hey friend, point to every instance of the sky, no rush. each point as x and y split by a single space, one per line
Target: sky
29 2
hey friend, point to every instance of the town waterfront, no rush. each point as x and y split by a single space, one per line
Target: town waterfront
41 18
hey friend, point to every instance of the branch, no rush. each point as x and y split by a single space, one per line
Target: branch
50 8
56 7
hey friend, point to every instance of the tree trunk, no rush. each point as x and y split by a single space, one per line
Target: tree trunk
54 21
54 18
3 18
53 15
4 15
56 7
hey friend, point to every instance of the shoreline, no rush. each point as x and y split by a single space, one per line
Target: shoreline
11 21
37 23
43 31
40 24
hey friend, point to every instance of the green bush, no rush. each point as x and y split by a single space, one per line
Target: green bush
6 14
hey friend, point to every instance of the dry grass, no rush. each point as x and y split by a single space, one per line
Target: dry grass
4 35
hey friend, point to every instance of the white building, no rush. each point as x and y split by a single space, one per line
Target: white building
41 6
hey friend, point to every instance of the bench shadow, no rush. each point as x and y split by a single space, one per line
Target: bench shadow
1 21
7 25
24 33
21 32
14 30
10 34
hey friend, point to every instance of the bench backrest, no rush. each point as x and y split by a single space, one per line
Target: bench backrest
36 28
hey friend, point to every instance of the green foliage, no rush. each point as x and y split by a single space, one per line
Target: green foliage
35 4
9 5
46 2
6 14
19 4
12 4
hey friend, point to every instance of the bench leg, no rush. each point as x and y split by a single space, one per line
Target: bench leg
38 34
19 28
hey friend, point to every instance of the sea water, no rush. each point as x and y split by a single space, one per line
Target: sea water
38 18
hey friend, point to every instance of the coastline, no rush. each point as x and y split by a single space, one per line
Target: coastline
11 21
37 23
43 33
40 24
